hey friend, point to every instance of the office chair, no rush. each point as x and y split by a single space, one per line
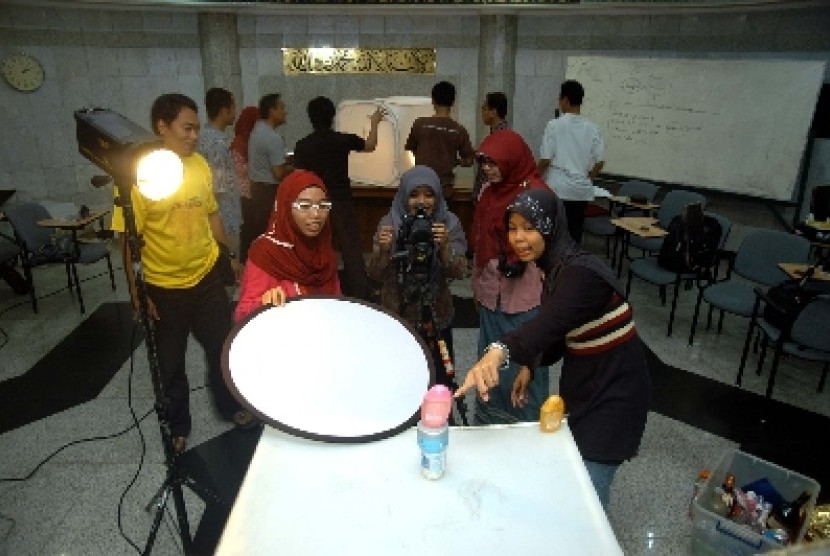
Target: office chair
649 270
754 264
601 225
807 338
672 204
41 246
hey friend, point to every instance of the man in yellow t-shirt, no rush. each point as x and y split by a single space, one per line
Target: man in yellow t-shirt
179 255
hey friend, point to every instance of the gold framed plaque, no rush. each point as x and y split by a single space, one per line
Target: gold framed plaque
297 61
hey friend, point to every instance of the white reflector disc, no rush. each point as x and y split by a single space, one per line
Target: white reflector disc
333 369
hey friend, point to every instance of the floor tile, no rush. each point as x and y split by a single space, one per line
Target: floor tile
70 504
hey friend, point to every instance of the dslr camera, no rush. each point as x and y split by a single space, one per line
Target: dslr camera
415 247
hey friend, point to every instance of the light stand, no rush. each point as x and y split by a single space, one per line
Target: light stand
115 144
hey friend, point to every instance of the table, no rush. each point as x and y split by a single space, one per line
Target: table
796 270
626 202
643 226
73 225
508 489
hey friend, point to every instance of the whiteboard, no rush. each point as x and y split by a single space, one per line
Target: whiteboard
738 126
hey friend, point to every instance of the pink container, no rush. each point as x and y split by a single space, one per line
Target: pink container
436 407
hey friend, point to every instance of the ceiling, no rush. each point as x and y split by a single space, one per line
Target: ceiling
437 6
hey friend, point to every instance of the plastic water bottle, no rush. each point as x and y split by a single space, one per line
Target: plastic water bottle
433 442
433 431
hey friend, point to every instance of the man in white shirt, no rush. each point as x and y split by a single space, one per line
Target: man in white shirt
571 156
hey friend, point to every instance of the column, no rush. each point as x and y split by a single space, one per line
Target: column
497 60
219 44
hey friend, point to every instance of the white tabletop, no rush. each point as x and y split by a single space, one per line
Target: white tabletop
507 490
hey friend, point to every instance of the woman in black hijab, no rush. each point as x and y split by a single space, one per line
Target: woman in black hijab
585 320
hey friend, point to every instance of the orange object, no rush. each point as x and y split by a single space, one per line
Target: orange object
551 413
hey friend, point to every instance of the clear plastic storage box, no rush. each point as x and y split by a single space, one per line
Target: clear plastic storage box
717 535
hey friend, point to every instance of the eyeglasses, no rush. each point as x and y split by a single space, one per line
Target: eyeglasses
485 160
305 206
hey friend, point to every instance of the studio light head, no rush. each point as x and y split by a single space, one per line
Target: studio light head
111 141
127 152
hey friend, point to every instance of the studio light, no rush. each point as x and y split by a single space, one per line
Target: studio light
134 157
127 152
159 174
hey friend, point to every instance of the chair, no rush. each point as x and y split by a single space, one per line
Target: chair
672 204
9 251
601 225
41 246
756 261
648 270
806 339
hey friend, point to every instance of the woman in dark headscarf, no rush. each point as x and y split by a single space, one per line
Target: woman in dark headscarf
295 255
585 320
420 189
506 291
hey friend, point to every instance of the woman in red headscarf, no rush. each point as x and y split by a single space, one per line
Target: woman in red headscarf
239 152
507 291
295 256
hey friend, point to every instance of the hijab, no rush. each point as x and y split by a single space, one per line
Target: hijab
545 211
518 171
411 180
242 130
286 253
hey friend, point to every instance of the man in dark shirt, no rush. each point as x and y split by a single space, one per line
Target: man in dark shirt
326 153
439 141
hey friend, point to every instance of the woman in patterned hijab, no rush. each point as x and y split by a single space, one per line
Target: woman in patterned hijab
585 320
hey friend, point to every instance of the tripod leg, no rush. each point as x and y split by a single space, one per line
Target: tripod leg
181 514
172 485
205 493
154 500
160 503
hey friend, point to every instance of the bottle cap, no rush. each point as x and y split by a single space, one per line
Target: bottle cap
436 407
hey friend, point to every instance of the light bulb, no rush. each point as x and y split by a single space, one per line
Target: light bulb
159 174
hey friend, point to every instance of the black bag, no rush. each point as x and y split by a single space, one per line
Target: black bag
692 241
785 301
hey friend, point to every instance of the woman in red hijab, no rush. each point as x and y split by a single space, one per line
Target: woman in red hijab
239 152
507 292
295 256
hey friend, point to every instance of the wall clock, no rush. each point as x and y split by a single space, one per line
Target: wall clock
23 72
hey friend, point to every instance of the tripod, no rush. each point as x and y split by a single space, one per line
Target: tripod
176 475
415 289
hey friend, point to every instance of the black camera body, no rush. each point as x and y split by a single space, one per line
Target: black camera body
415 247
